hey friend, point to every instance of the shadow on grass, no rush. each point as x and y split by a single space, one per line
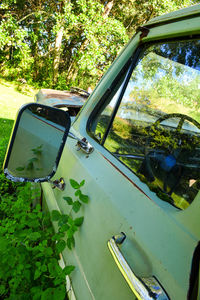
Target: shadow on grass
5 131
5 128
7 187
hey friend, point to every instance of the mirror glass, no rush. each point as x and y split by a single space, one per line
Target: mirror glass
36 144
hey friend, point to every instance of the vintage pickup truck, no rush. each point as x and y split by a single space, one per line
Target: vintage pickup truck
138 136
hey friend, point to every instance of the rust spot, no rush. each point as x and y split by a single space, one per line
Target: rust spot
144 31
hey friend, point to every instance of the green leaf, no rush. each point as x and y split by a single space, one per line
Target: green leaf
33 159
78 221
68 200
34 236
37 150
84 198
70 242
55 214
38 264
30 166
32 216
2 290
77 193
33 223
70 232
70 221
63 220
68 269
37 208
76 206
4 244
53 268
74 184
48 252
58 293
58 281
64 228
27 275
37 274
44 268
44 243
57 236
47 294
20 168
82 183
60 246
36 292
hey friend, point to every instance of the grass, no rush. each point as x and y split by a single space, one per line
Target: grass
10 102
11 99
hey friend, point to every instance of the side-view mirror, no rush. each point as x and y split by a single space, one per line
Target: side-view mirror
36 143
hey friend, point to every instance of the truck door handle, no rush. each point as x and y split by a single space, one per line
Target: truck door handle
144 288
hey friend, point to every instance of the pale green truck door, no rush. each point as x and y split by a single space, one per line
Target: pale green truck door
157 243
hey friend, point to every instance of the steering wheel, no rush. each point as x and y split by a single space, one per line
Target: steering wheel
168 151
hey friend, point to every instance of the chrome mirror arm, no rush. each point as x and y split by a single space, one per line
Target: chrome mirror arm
83 144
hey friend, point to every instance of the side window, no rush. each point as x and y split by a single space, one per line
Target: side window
156 129
103 119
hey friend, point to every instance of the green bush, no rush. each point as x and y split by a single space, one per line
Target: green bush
29 248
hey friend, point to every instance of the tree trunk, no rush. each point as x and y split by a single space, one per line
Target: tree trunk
107 9
35 54
57 51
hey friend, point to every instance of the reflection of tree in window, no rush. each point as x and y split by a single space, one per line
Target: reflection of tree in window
165 81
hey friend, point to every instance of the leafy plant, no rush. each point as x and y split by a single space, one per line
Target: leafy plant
29 244
29 247
66 222
29 251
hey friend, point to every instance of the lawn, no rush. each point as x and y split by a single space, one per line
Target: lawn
11 98
10 102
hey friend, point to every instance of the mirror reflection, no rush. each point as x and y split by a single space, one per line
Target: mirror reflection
37 142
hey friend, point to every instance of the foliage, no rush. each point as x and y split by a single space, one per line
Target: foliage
29 247
29 251
66 222
28 244
28 266
66 43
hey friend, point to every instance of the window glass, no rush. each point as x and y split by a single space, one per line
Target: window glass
103 119
156 130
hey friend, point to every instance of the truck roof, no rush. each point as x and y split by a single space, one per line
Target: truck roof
176 15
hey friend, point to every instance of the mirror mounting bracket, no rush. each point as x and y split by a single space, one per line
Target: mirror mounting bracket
59 184
83 144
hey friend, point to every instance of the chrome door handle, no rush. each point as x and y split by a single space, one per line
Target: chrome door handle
144 288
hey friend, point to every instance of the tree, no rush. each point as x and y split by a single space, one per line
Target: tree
59 43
